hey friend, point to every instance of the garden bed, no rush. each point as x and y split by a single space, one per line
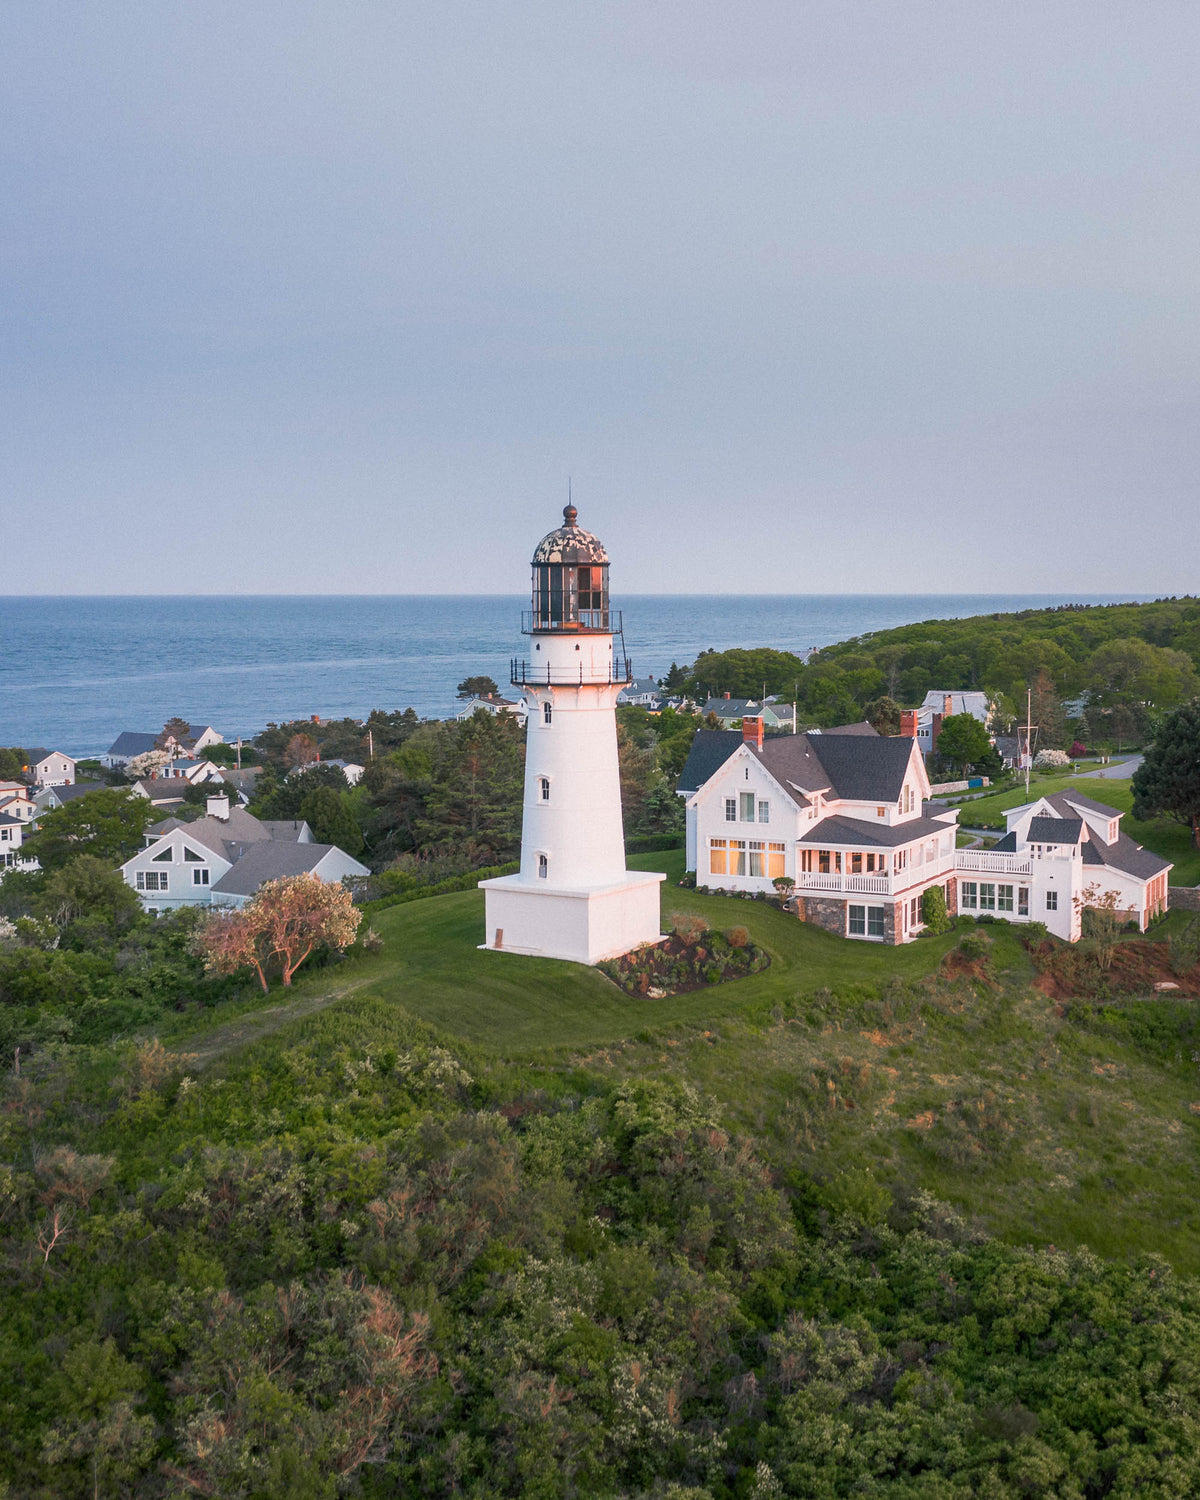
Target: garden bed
692 957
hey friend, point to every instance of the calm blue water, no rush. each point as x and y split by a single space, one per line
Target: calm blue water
74 671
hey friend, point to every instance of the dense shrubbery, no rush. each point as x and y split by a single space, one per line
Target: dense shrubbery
374 1267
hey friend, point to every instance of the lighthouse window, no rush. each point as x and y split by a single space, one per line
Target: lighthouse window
718 857
544 784
543 867
546 712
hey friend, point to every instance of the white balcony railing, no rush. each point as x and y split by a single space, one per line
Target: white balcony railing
877 885
989 863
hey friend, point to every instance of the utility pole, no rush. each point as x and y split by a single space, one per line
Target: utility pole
1027 754
370 744
239 752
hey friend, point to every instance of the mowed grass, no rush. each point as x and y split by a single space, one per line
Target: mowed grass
1164 836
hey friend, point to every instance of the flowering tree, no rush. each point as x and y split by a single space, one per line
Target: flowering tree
147 764
1051 760
282 924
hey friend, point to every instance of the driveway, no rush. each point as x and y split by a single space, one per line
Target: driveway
1116 770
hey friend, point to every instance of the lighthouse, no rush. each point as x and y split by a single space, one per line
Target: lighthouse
573 897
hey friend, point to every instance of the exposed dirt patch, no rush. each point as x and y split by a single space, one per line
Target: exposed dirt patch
1066 972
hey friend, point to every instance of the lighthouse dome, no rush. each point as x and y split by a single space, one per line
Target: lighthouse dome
569 543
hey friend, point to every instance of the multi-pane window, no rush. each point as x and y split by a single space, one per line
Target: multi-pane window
764 811
865 921
914 911
1023 901
152 880
968 895
737 856
200 877
718 857
1004 898
731 809
1051 900
875 921
858 921
756 858
987 896
775 860
747 801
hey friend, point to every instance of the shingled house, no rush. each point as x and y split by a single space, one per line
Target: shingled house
840 812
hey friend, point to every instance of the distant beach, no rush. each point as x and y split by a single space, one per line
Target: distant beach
75 671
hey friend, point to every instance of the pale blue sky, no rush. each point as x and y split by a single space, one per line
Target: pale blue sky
805 296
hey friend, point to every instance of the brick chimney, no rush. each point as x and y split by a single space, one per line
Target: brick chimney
752 731
725 695
908 723
935 729
947 705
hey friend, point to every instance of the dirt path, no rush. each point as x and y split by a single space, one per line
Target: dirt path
251 1028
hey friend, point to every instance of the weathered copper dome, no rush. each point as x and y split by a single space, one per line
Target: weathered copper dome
570 544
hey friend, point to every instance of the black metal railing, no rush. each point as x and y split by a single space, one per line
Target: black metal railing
534 674
579 621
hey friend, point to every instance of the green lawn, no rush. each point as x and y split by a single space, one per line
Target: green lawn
1165 836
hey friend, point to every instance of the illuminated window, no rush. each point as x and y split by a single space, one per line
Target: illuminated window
718 857
775 859
737 856
756 858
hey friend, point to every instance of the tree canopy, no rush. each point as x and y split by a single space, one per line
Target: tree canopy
107 823
478 687
1168 780
963 741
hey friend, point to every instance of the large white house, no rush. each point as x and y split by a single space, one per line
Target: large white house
131 743
223 858
1061 853
840 813
12 834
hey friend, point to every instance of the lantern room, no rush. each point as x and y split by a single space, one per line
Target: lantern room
570 582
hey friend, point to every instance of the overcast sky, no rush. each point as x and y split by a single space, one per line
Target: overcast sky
805 297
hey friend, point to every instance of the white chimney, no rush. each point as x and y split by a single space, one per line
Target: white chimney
218 807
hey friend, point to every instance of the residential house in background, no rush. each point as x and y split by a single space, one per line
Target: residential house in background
17 801
924 724
730 710
12 834
350 769
49 798
492 704
642 692
50 768
131 742
223 858
840 813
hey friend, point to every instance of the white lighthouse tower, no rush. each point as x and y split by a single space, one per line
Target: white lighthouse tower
573 897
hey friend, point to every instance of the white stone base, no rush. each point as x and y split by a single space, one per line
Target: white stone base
584 926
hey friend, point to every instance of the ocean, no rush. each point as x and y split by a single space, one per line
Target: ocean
75 671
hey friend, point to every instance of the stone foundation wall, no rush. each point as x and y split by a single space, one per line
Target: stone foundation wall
824 912
1183 897
893 922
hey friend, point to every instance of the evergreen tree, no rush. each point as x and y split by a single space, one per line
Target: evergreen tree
1168 779
476 786
331 821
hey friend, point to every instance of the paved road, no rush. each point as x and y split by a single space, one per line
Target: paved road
1116 770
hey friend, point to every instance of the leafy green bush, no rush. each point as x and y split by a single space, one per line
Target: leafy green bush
974 945
933 910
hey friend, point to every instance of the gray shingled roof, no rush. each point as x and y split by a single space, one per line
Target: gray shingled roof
1055 830
1006 845
288 829
711 748
1126 856
131 743
216 834
272 859
863 768
77 789
1067 802
858 832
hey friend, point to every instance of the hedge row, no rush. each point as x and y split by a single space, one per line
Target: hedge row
466 882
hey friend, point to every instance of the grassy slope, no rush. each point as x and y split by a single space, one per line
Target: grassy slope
1081 1138
1166 837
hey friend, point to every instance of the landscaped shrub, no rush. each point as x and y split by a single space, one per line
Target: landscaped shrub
933 910
738 937
975 945
691 957
686 925
1033 933
1078 750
